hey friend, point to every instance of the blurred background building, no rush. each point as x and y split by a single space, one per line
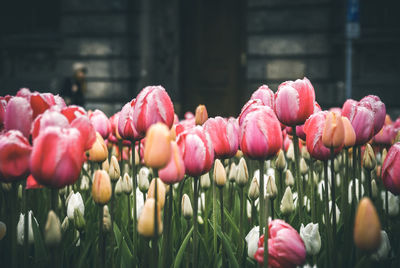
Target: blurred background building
201 51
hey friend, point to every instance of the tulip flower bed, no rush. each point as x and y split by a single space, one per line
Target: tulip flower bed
284 184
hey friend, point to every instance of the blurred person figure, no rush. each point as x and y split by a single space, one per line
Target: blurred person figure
74 87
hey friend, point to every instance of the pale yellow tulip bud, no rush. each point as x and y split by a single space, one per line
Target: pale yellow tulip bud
254 191
160 191
369 160
303 167
101 188
187 210
114 169
289 180
52 230
205 181
146 220
242 176
280 162
272 191
219 173
287 205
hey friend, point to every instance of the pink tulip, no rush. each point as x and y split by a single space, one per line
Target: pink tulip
31 183
18 116
100 123
184 125
250 106
313 128
73 111
3 106
375 104
197 151
260 136
24 93
57 157
385 136
40 102
15 152
152 105
391 169
85 127
294 102
174 171
285 246
47 119
188 115
266 95
224 135
126 127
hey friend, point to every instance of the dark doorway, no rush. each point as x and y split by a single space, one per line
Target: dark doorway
212 41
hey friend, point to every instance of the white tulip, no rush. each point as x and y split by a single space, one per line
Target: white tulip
252 241
20 228
382 253
75 201
393 203
311 238
287 205
143 179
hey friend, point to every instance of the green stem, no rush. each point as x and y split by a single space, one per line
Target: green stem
167 247
240 248
54 199
214 215
195 222
221 203
297 173
368 179
26 220
155 238
312 185
333 197
266 252
261 197
13 229
102 252
327 218
354 174
359 172
345 206
134 184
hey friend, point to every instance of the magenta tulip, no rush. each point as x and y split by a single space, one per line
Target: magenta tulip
391 169
15 152
18 116
314 128
266 95
294 102
47 119
261 135
174 171
152 105
385 136
126 128
88 133
285 246
100 123
57 157
375 104
224 135
197 151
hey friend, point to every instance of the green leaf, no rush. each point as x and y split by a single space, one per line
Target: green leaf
228 248
182 249
126 256
40 249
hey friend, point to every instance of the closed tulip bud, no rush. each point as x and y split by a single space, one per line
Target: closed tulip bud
239 154
52 230
349 133
219 173
254 191
101 188
289 180
187 210
303 167
157 151
3 230
280 162
106 219
118 187
75 201
20 228
114 169
127 184
232 172
384 154
65 224
374 189
20 191
146 219
311 238
84 183
6 186
205 181
367 227
201 115
369 160
290 152
143 180
160 191
99 151
304 153
333 133
336 165
79 220
287 205
242 173
272 191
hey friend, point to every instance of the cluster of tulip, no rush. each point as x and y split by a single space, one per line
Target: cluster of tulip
309 169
